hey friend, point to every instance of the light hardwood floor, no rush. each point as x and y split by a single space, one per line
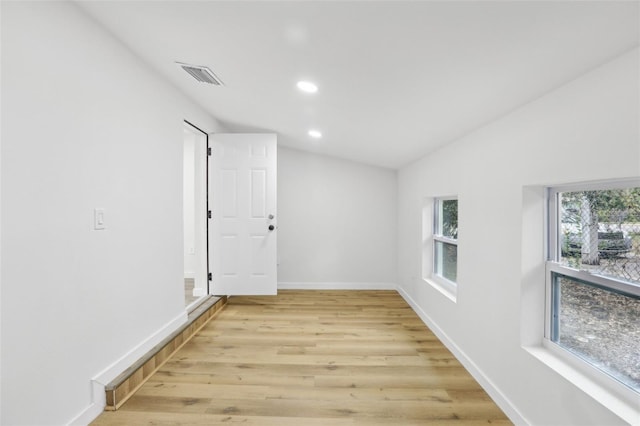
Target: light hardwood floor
311 358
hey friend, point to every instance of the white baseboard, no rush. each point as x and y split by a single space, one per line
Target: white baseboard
335 286
99 382
498 397
190 274
95 408
125 361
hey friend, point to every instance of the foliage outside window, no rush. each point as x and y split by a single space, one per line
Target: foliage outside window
445 239
593 277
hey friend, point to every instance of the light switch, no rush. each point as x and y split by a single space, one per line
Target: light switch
99 219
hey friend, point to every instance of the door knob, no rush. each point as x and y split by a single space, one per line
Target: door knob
271 227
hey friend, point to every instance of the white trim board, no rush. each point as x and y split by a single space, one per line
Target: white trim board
336 286
99 401
100 381
124 362
498 397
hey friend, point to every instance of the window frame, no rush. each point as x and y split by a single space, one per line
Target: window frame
608 283
437 236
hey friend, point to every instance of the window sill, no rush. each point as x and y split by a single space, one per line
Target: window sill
627 408
447 288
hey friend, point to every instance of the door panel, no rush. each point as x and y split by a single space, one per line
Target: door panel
229 195
243 193
258 194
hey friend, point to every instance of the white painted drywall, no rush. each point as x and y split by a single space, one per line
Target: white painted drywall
585 130
336 222
85 124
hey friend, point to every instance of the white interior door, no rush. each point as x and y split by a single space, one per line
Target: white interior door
242 229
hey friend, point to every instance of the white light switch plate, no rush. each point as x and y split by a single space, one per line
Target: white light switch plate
99 219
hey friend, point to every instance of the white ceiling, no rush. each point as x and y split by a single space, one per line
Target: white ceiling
397 79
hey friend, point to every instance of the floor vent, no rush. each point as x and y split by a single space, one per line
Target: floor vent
202 74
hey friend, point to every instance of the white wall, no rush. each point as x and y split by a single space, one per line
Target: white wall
189 197
337 223
585 130
84 124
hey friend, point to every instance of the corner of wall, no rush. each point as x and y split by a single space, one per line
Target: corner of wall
532 294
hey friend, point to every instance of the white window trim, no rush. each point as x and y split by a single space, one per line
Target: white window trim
601 383
589 380
447 287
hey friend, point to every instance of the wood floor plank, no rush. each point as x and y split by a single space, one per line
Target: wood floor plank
294 355
129 418
312 358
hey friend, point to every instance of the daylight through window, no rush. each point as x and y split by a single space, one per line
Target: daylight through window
593 277
445 239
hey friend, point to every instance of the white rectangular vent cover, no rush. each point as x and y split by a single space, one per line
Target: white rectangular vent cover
202 74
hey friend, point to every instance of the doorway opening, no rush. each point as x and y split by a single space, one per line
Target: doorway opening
195 212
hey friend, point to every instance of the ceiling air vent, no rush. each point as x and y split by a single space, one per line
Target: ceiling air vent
202 74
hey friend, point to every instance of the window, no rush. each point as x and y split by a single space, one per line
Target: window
445 240
593 278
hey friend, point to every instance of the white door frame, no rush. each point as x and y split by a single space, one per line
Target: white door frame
201 206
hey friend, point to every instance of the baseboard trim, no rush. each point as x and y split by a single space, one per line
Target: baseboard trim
99 382
87 416
336 286
498 397
112 371
120 389
94 409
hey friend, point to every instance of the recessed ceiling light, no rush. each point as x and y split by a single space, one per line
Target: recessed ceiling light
315 134
307 86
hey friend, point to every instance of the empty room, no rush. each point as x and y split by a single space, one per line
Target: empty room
320 212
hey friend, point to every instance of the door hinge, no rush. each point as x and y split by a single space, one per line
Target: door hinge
210 276
209 214
209 151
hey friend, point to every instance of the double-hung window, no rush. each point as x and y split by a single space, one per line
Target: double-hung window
445 241
593 280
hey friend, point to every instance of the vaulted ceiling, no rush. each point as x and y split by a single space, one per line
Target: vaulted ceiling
397 79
